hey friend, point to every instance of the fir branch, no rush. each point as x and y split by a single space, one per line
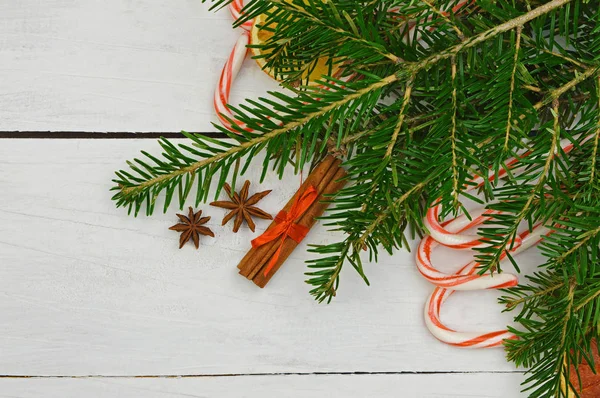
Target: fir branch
491 33
128 193
587 301
347 35
566 58
562 347
596 141
365 133
511 304
437 11
549 343
558 92
407 93
326 281
513 76
583 241
500 239
131 190
385 214
455 176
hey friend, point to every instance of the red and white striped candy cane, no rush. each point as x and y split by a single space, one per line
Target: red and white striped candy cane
451 336
458 281
235 8
230 71
451 234
228 74
456 239
466 241
474 281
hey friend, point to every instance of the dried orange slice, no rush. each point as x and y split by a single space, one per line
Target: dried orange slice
589 378
260 36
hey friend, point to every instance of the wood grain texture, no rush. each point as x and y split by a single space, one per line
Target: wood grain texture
343 386
86 290
115 65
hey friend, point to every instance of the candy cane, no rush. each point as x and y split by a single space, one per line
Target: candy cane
230 71
451 336
473 281
223 89
228 75
450 233
235 8
458 281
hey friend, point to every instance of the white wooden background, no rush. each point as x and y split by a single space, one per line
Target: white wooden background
94 303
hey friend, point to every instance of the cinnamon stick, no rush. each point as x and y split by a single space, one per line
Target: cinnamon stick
255 255
308 219
320 183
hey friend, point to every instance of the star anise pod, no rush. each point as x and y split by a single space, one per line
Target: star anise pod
242 207
191 228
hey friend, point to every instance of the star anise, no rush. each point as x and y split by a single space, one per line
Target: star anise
191 228
242 207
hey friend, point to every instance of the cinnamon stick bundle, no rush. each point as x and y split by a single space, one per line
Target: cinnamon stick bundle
327 178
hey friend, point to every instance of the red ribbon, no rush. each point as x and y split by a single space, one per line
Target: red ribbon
286 225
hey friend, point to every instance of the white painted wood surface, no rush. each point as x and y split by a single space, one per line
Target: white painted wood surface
87 291
382 386
115 65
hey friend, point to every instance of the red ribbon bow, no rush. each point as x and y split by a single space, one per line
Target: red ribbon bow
286 225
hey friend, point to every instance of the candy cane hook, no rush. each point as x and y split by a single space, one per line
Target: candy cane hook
235 8
467 241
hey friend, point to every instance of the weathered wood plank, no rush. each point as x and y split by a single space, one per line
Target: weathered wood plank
86 290
344 386
88 65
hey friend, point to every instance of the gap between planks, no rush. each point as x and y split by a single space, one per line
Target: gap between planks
99 135
216 375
